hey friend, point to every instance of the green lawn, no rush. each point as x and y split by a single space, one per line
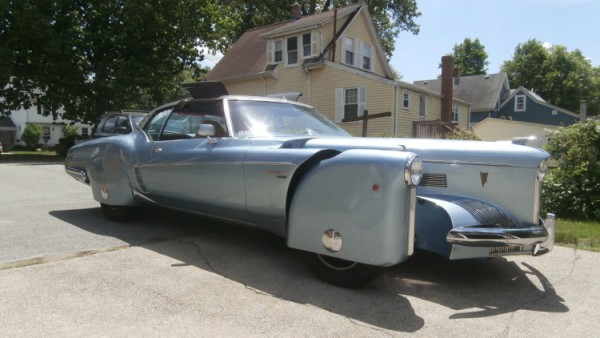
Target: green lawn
35 156
583 235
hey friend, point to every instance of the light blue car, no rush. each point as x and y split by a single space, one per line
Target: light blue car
355 205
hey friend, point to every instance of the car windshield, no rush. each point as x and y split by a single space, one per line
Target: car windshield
263 118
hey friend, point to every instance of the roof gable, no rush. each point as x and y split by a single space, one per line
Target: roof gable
536 98
247 58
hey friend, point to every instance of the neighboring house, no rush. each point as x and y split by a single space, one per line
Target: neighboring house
491 97
527 106
492 129
336 61
11 135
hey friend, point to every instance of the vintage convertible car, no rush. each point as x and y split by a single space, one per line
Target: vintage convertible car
354 205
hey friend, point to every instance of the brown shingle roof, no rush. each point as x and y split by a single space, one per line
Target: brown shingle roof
248 56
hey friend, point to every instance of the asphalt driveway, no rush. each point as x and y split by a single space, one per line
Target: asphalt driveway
177 275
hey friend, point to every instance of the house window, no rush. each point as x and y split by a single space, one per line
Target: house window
422 107
278 51
350 103
292 50
406 99
455 111
348 54
307 45
85 131
520 103
366 56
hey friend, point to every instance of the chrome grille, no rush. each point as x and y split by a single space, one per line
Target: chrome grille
499 250
486 214
434 180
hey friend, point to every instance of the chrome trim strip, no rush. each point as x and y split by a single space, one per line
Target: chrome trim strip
471 163
187 164
78 174
482 236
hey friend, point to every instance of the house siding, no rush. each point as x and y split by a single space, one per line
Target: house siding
535 113
492 129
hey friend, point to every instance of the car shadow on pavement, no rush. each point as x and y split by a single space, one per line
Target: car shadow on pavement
262 262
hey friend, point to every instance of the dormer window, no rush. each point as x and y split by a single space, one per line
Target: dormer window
366 56
278 51
348 54
292 50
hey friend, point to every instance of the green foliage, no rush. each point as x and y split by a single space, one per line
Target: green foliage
572 190
561 77
461 134
470 57
32 135
88 57
69 130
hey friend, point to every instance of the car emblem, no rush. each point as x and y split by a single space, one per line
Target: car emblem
483 175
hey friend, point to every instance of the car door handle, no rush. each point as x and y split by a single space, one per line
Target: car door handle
156 150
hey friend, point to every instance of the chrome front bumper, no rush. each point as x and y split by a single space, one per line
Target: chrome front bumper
541 237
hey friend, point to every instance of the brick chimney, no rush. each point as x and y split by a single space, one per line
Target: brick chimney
447 83
296 11
583 111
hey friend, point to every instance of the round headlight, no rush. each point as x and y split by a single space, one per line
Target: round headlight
413 171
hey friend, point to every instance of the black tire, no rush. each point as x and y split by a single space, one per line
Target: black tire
341 272
117 212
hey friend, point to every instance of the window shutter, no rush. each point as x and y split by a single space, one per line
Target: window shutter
362 100
357 53
314 39
343 50
270 47
339 105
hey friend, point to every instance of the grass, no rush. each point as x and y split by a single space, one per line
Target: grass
584 235
33 156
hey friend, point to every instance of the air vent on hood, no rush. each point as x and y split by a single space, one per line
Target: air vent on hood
434 180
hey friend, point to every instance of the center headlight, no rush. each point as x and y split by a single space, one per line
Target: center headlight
413 172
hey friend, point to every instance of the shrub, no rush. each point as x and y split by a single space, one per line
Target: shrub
32 135
572 189
461 134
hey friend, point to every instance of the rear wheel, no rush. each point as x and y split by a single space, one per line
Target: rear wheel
342 272
117 213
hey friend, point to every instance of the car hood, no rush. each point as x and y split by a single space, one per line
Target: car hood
452 151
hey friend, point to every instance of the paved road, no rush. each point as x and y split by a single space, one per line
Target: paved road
176 275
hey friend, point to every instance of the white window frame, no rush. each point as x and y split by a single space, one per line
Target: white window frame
352 51
455 112
406 99
272 51
340 102
364 55
288 51
312 44
517 99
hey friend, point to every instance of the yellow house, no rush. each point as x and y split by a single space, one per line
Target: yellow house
335 60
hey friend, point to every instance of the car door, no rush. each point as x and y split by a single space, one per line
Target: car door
202 175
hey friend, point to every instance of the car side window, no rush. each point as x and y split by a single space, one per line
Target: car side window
123 125
155 125
109 125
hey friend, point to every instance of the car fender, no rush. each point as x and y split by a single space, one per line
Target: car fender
355 206
108 177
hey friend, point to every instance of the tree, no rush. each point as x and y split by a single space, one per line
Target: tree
32 135
561 77
87 57
572 190
389 17
470 57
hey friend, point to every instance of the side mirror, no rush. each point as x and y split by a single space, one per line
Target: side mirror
205 130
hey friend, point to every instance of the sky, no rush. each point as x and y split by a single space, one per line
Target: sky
500 25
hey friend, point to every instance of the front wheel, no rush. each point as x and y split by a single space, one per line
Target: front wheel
341 272
117 212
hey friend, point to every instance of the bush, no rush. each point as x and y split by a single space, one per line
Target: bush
32 136
461 134
572 189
